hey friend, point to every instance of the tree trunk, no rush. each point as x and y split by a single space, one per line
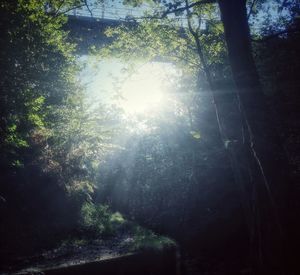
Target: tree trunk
267 161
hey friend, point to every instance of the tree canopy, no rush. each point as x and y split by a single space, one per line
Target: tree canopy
216 164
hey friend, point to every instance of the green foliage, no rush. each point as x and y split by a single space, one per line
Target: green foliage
98 220
36 73
43 116
196 134
144 239
151 40
166 40
48 137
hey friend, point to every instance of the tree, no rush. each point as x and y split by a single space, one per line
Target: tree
258 158
267 158
261 151
48 138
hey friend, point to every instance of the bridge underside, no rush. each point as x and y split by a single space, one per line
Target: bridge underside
87 31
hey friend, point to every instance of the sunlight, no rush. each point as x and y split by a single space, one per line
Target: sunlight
145 91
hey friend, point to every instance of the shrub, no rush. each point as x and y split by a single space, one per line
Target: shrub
144 239
98 220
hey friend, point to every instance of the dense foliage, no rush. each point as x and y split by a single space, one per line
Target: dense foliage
64 164
48 138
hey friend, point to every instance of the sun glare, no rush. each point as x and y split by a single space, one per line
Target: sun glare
145 91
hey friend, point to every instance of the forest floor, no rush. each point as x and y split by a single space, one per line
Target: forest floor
72 253
80 251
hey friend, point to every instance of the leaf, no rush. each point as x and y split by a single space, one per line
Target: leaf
195 134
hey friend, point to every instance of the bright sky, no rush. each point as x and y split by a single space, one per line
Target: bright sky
139 92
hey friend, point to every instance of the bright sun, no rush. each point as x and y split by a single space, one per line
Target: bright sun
145 90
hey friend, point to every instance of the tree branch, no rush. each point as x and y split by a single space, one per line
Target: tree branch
170 11
70 9
186 7
59 7
87 6
251 9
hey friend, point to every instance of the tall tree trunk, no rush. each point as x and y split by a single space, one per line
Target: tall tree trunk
267 160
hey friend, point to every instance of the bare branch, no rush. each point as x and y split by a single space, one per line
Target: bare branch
170 11
251 9
87 6
186 7
59 7
70 9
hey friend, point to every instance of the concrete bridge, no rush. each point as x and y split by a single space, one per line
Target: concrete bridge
87 31
87 27
119 12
